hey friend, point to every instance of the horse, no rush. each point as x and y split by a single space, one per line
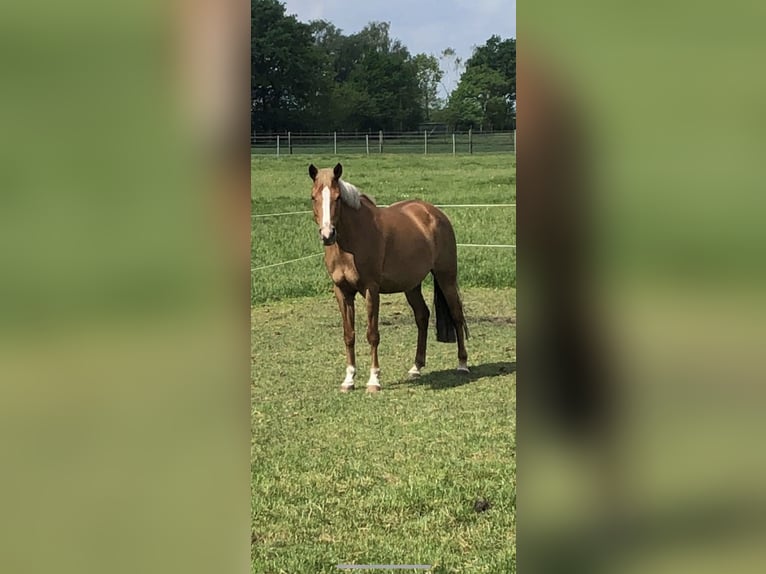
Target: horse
374 250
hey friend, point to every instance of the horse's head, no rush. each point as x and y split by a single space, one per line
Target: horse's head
325 197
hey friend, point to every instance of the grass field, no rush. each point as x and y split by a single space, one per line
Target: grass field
391 478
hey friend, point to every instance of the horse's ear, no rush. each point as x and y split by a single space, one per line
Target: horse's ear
337 171
313 171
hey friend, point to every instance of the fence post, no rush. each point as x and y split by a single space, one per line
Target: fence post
380 141
277 145
335 142
425 142
367 142
470 140
289 143
453 143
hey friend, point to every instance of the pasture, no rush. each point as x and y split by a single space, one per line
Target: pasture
391 478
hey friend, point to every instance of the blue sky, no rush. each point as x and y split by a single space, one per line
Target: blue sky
426 26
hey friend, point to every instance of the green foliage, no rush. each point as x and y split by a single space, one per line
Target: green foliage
388 78
499 55
486 95
283 67
478 99
313 77
429 75
370 80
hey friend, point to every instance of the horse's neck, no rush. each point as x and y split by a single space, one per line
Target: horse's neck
354 224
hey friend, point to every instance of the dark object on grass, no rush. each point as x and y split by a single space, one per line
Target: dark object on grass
481 505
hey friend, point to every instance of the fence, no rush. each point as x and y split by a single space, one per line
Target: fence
469 142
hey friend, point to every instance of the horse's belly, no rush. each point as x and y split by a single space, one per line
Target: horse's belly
403 275
398 287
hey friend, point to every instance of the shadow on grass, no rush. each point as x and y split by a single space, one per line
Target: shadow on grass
450 378
405 318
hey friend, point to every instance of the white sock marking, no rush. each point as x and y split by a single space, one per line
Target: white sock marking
349 380
374 378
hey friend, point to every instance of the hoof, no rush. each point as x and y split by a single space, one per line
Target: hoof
346 388
373 388
414 373
462 368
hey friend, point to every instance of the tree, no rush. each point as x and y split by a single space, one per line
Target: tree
452 64
477 102
429 75
486 94
375 36
285 68
369 81
499 55
330 106
313 77
389 80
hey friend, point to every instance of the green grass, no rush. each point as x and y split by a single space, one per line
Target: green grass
391 478
283 185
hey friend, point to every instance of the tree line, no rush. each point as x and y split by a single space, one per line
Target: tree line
313 77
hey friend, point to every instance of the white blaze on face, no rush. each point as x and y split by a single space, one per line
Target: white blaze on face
326 229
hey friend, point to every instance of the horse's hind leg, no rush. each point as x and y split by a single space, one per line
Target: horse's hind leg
373 337
448 284
420 309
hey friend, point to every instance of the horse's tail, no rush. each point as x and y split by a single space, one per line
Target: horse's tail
445 324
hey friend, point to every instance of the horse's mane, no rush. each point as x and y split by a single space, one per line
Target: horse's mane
351 196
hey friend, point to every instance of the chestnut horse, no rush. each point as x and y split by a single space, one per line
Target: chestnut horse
372 250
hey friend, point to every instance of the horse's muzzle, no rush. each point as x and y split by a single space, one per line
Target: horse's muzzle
330 239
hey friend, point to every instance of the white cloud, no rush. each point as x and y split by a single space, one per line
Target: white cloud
306 9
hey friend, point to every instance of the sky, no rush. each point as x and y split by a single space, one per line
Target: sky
424 26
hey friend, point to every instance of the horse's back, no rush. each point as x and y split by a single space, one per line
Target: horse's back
404 217
421 212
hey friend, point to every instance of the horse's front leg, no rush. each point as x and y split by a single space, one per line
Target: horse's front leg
346 306
373 337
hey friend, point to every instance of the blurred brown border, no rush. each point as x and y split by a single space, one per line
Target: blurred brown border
563 366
